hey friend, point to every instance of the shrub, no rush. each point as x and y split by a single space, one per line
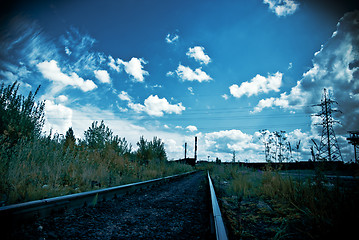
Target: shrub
20 117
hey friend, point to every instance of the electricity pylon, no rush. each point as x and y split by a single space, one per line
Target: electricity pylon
328 148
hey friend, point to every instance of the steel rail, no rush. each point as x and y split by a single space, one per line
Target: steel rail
41 208
218 221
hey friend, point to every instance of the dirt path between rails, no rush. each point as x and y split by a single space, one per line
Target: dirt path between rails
175 210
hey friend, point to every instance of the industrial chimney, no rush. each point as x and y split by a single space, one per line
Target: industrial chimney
195 148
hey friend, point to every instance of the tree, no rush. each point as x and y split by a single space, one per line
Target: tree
70 139
267 139
150 150
119 145
101 137
144 153
281 145
276 146
20 117
159 149
96 136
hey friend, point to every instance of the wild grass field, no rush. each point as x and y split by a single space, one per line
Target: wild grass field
36 166
267 204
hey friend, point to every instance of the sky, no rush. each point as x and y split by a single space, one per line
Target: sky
219 70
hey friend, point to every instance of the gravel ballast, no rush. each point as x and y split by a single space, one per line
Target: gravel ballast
175 210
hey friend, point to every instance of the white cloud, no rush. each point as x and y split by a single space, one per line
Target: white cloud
190 89
294 100
62 98
225 96
79 46
282 7
233 134
257 85
227 141
57 117
191 128
335 67
170 74
153 105
134 68
198 54
113 64
68 51
187 74
52 72
171 38
156 106
124 96
172 146
270 102
102 75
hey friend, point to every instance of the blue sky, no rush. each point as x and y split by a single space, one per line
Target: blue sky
219 70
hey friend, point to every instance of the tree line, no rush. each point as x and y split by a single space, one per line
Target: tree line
22 119
35 165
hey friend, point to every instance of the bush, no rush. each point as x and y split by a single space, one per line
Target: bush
34 166
20 117
151 150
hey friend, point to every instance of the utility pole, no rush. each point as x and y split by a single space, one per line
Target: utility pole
328 148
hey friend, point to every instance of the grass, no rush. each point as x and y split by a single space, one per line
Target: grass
42 169
268 204
34 166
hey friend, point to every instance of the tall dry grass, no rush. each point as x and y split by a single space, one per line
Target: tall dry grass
42 168
329 206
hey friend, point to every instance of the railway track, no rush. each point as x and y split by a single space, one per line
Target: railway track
175 207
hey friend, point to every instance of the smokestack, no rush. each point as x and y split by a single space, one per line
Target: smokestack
185 150
195 148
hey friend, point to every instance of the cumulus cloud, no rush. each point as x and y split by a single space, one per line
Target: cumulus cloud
335 67
51 71
112 64
172 38
62 98
156 106
153 105
172 146
229 141
57 117
294 100
258 84
198 54
102 76
134 68
282 7
187 74
191 128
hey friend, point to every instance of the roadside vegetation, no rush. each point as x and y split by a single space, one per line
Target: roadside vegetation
271 204
36 166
